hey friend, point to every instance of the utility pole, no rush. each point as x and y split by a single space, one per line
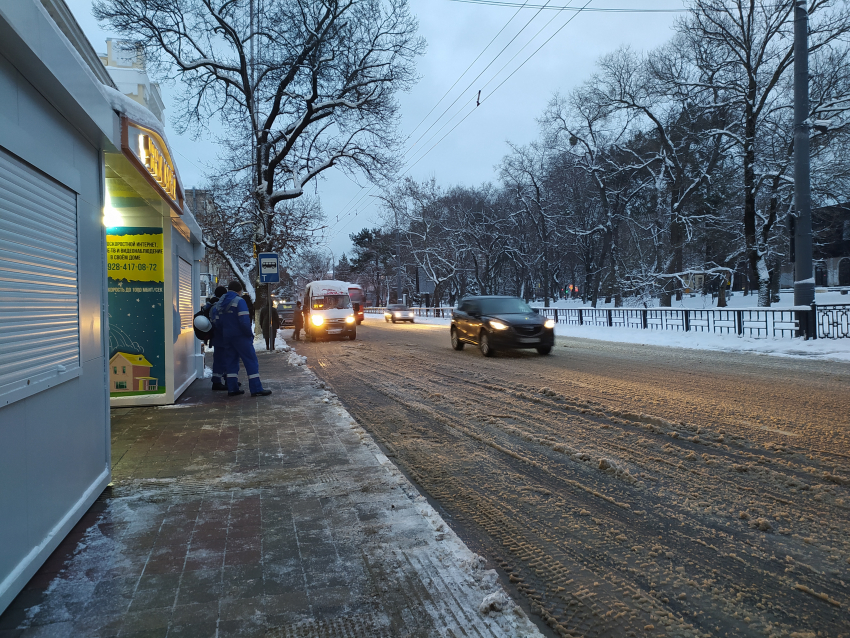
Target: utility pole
804 283
397 262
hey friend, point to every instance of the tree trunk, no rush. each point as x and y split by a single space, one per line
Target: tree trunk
755 250
672 285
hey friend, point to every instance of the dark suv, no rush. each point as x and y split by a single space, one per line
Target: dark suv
498 323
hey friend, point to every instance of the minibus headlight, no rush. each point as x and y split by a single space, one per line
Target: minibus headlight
317 320
349 319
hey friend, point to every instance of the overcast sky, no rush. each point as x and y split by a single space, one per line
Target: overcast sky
457 33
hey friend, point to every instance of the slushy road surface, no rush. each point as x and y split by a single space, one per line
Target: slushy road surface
624 489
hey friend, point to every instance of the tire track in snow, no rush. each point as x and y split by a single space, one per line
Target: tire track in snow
481 438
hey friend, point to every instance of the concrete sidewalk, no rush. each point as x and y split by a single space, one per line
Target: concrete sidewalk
274 516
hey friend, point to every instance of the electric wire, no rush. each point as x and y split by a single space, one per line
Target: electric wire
345 209
489 64
516 70
360 195
500 3
460 77
504 66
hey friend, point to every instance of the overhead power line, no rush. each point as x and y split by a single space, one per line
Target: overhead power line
512 73
525 5
449 132
576 10
359 196
475 79
460 77
351 205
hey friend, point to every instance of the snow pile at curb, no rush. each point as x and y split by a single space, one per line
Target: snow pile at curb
207 372
296 359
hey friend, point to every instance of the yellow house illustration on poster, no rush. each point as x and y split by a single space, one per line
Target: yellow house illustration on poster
130 373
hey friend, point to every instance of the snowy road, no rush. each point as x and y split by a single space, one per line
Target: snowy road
624 490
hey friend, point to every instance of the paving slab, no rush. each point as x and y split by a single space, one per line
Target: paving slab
275 516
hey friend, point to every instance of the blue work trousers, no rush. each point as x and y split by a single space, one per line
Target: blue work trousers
234 350
219 366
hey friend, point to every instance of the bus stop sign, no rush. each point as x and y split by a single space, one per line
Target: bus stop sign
268 268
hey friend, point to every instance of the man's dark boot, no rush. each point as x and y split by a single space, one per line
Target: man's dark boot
233 394
261 393
219 386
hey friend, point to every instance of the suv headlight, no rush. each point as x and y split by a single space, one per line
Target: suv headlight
550 323
317 320
498 325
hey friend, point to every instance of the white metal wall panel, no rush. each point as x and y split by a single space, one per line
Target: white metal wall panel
184 293
39 300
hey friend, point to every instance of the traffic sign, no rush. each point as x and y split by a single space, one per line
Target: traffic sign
268 268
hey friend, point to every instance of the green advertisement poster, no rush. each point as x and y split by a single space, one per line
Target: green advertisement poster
135 267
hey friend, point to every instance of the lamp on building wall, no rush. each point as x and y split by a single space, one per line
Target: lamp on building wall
111 216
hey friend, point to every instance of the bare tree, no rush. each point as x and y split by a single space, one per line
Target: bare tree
300 88
524 171
744 50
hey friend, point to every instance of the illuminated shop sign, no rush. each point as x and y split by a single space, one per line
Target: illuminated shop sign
148 152
157 165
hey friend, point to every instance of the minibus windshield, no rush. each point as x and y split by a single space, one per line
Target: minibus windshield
331 302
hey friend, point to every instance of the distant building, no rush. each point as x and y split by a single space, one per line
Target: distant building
832 245
830 250
125 64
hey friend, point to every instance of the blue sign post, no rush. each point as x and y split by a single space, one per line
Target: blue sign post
269 275
268 268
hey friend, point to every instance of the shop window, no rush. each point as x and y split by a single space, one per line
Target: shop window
185 304
120 385
38 278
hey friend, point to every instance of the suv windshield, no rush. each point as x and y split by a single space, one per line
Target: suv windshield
331 302
397 307
507 306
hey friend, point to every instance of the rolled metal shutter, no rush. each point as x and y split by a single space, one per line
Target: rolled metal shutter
184 293
39 301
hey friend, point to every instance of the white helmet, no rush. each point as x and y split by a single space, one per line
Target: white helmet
202 323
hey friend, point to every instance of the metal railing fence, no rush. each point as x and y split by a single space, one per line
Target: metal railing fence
815 322
441 311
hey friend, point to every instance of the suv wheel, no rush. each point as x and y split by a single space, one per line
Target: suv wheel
457 344
544 350
484 344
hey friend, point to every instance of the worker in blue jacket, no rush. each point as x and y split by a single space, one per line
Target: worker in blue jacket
219 370
230 315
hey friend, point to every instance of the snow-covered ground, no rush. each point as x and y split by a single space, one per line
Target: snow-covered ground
832 349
